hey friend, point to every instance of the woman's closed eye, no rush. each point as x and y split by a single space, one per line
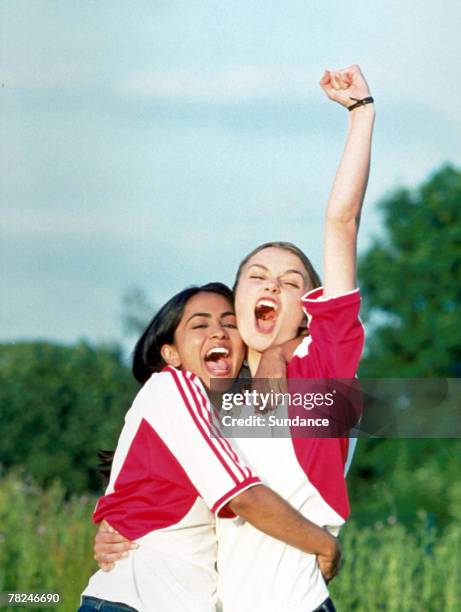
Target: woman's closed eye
292 284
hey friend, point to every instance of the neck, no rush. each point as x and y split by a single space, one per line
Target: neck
253 358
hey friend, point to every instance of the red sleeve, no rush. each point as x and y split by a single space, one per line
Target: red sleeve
334 346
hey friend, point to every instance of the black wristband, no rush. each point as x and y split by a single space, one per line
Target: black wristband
361 102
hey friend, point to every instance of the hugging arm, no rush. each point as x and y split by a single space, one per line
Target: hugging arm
271 514
346 197
110 546
266 511
226 485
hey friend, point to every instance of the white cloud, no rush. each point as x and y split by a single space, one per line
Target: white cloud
48 223
245 83
235 84
74 74
22 225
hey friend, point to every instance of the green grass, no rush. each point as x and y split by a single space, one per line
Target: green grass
46 544
388 567
45 541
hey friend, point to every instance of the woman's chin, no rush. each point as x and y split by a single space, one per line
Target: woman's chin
260 342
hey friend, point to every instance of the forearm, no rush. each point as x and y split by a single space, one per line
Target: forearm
271 514
351 178
273 363
284 352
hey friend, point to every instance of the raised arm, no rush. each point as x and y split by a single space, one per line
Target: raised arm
346 198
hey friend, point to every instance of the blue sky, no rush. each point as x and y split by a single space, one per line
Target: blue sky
154 143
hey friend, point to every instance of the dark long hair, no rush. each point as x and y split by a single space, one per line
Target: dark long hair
147 357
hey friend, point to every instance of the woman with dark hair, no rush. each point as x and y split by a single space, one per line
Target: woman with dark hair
172 471
276 292
147 354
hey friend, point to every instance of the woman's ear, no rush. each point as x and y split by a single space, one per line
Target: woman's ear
170 355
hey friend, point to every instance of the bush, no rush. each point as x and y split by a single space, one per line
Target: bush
58 406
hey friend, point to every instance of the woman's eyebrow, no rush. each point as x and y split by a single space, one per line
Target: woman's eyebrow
259 266
291 271
199 314
228 313
294 272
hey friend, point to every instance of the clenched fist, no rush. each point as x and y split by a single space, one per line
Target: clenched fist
343 85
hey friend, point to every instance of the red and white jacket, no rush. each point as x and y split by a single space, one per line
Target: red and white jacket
171 473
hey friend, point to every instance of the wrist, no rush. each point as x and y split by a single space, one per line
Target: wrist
362 117
359 102
366 110
328 545
275 351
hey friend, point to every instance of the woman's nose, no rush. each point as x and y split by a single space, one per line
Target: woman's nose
272 285
219 331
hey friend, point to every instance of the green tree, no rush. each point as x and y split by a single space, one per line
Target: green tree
58 406
411 282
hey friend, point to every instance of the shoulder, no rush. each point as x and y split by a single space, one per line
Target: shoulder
314 302
171 386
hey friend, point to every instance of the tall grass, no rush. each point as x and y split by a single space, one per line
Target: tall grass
45 541
46 544
388 567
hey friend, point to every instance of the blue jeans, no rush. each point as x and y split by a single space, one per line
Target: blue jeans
326 606
90 604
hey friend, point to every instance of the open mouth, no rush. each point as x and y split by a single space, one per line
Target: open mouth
218 362
266 312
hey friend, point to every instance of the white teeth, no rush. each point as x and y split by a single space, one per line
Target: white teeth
218 350
267 304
